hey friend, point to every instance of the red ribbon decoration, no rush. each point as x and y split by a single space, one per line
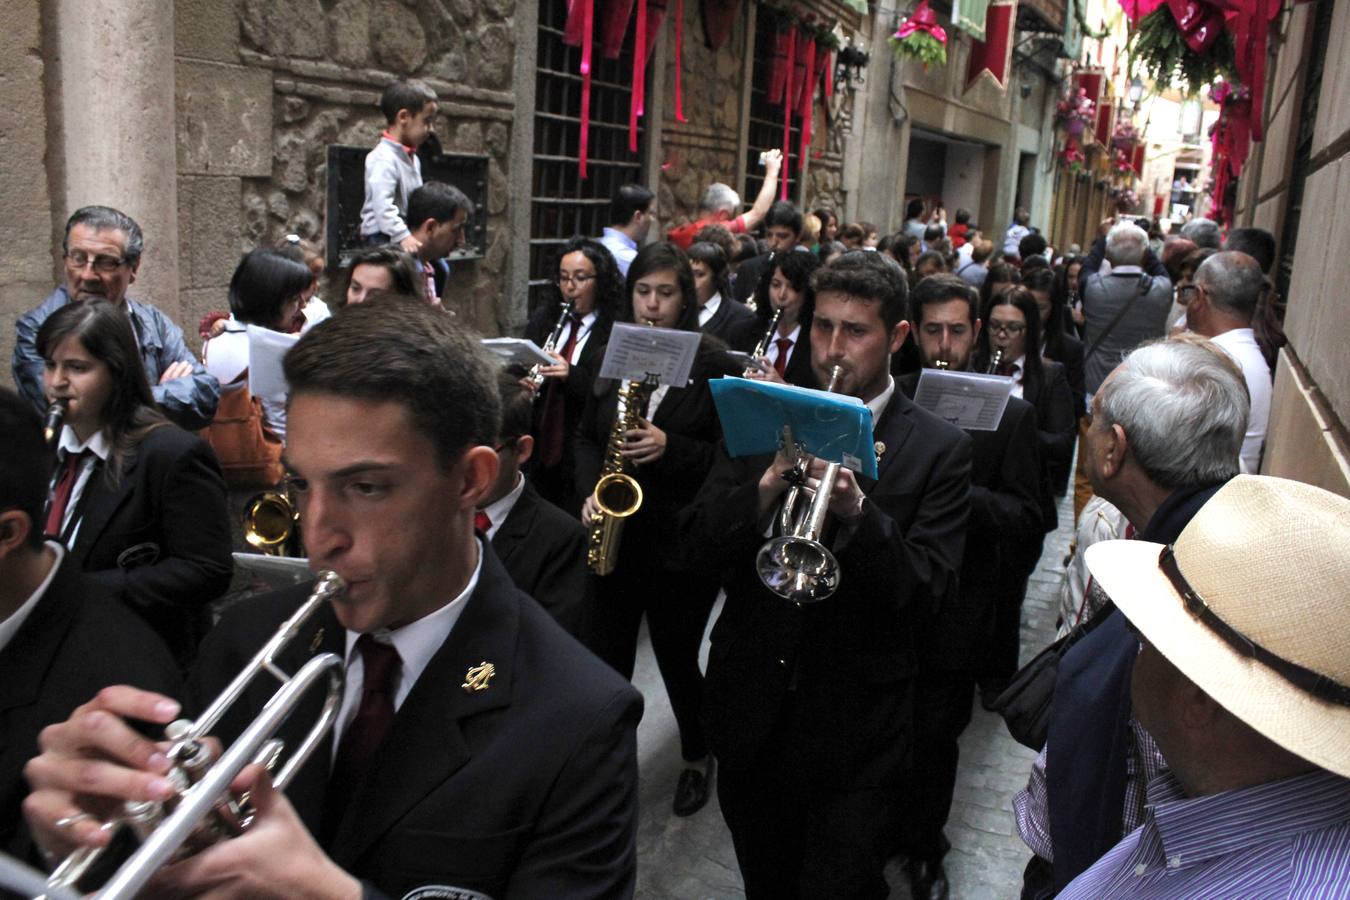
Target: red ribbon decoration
807 107
778 70
679 61
922 19
787 111
614 27
639 75
580 29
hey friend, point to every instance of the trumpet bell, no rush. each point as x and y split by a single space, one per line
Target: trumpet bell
798 569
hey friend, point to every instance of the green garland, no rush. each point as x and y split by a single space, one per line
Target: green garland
920 46
1160 48
808 23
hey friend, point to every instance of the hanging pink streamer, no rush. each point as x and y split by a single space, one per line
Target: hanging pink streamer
639 75
587 46
679 60
806 108
787 112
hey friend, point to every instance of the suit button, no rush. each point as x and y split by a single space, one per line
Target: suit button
783 663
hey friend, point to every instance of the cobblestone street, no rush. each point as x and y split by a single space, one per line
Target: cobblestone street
692 859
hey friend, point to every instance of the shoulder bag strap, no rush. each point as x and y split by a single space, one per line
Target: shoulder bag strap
1143 287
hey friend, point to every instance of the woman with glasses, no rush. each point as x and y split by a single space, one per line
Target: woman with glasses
590 291
138 502
669 454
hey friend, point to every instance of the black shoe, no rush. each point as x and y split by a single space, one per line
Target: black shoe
927 880
691 793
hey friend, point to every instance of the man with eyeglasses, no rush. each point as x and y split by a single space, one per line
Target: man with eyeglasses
102 251
956 642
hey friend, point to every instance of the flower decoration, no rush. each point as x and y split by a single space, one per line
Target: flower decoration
1120 162
1125 136
1072 155
1075 112
920 37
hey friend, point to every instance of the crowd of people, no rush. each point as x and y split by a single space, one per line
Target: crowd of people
1192 735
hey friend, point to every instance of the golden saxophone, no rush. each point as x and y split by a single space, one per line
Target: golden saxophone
536 376
617 494
763 346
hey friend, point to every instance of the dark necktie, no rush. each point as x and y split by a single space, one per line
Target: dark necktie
65 486
1006 369
780 364
551 427
481 522
367 730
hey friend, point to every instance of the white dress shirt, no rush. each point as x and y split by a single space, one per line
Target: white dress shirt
772 352
416 643
499 509
1018 370
709 309
583 335
621 247
1240 343
10 627
879 403
100 445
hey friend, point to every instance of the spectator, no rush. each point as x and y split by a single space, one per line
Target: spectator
1176 316
102 253
851 236
1016 231
929 263
829 224
1204 232
1122 309
631 216
720 204
960 232
914 223
977 269
383 268
1222 302
831 251
810 231
393 170
437 214
1267 324
312 307
871 237
1032 245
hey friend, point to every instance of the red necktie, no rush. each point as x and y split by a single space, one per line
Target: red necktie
1005 369
481 522
373 720
551 426
780 364
65 485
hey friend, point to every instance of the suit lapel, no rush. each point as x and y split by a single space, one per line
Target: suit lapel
891 431
515 531
100 503
427 745
28 656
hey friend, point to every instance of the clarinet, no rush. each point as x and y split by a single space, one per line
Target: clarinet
995 361
51 426
763 346
536 376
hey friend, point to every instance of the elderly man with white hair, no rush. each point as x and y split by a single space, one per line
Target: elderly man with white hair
1124 308
721 205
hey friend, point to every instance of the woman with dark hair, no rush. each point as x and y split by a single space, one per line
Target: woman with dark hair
719 313
829 225
930 262
266 292
788 353
669 454
589 280
1065 295
385 268
138 502
1001 276
1057 341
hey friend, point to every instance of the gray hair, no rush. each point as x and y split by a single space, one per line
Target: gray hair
1183 406
1125 244
1233 281
105 218
720 197
1204 232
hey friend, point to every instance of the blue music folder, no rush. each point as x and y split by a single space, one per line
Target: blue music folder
834 427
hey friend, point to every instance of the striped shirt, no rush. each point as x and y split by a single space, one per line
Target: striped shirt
1288 838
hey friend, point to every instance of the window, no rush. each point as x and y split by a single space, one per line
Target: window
766 121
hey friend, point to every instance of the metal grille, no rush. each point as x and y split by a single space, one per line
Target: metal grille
766 122
562 204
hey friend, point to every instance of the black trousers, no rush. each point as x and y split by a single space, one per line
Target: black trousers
942 709
1006 642
677 608
798 836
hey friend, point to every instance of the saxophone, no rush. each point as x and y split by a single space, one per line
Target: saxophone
617 494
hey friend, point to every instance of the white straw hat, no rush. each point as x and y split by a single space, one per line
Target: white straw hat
1265 627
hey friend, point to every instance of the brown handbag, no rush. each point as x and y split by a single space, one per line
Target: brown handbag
249 454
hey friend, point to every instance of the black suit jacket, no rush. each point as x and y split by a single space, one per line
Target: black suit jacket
525 789
76 641
1069 353
748 275
544 551
689 418
1057 428
160 540
1005 508
844 664
732 323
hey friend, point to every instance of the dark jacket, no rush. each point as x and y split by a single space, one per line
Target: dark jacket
733 324
525 789
1067 350
75 642
544 551
160 540
849 660
1056 430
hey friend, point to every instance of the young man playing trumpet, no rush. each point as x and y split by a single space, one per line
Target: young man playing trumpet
808 706
479 750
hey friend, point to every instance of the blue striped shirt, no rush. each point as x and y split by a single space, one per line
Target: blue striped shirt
1288 838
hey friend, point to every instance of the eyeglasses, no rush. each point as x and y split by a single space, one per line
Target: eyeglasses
105 264
578 280
1012 329
1185 292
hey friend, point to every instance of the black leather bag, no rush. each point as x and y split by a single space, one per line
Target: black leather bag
1025 703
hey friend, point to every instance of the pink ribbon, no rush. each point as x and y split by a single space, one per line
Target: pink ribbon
679 60
787 111
807 106
587 46
922 19
639 75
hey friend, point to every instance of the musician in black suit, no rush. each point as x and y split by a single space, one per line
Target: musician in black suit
62 638
782 232
542 548
809 706
478 745
668 454
1058 343
787 286
139 503
1005 505
589 280
719 313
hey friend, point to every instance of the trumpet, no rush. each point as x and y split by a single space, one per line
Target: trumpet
797 566
272 524
51 425
995 361
941 364
536 375
204 811
763 346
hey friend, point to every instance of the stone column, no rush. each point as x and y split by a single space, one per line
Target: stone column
113 139
515 302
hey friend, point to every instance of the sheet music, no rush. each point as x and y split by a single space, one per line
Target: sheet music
636 352
966 399
517 351
266 350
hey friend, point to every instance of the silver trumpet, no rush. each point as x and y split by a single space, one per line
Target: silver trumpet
536 375
763 346
796 565
995 361
205 811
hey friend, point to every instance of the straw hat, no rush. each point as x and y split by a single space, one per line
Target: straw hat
1271 560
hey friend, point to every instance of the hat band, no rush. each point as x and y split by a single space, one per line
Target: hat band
1320 686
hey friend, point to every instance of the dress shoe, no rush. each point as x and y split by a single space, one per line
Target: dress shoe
927 880
691 793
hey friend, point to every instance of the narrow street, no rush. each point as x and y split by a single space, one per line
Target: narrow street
692 859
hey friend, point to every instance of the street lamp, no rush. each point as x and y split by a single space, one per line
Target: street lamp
1192 112
850 63
1136 92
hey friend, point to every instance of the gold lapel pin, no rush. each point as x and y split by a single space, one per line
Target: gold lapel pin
477 678
317 642
880 448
